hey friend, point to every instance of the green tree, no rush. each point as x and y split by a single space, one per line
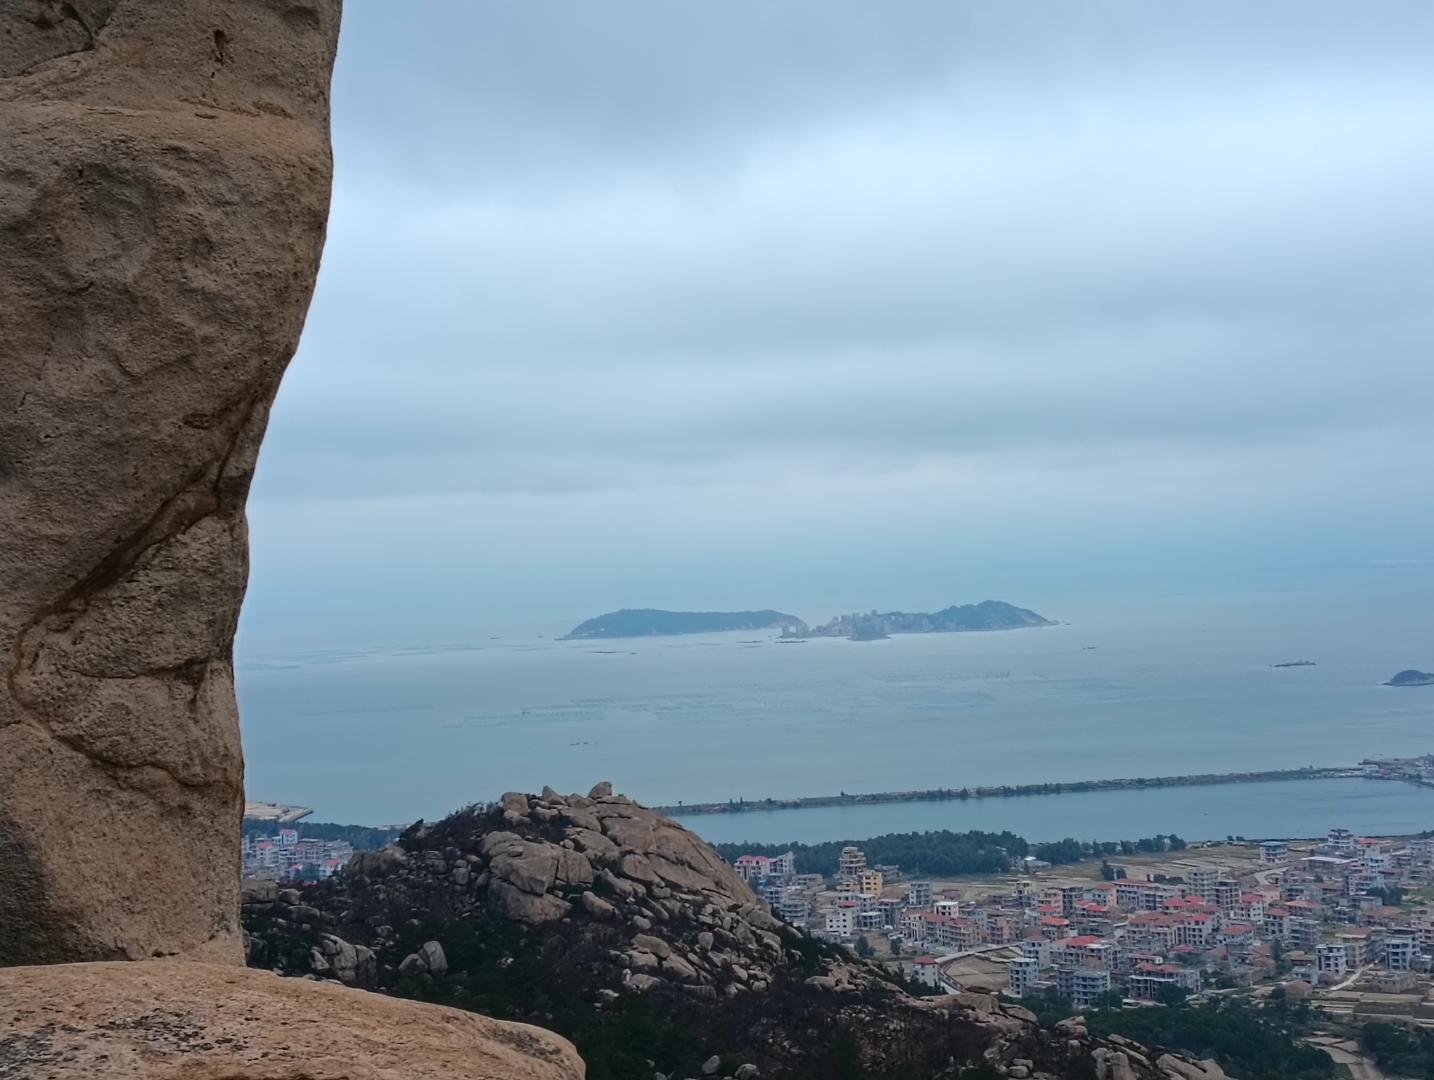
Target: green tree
1172 995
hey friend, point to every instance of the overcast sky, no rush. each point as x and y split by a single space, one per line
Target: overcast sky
833 305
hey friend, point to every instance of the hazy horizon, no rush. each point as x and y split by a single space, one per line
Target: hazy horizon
826 308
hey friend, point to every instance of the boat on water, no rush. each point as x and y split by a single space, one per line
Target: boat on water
1296 663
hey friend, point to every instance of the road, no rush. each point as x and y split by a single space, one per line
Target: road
1347 1053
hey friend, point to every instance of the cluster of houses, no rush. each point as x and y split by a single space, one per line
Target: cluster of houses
1316 917
287 856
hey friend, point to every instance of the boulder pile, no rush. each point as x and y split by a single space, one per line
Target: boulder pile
670 914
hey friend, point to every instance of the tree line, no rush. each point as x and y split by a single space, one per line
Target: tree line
943 853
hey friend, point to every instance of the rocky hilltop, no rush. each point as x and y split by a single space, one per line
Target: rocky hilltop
597 917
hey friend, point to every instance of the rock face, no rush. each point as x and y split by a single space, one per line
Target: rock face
164 187
172 1019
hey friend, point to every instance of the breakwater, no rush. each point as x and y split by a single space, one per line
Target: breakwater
1006 791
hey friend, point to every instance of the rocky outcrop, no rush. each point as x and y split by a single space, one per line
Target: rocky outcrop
172 1020
164 187
600 918
673 917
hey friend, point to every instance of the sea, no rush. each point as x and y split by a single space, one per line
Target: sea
1144 683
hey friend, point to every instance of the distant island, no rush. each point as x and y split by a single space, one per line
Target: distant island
1411 677
987 615
1296 663
650 622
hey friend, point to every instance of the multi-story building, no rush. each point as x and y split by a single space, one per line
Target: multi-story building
1002 927
752 867
1022 972
1055 927
1235 935
1227 893
1147 980
1153 930
1037 949
841 923
871 882
850 863
1086 952
1400 949
1082 985
938 930
1331 961
918 894
1358 947
1201 880
1274 852
1305 933
1250 909
1340 842
1421 921
1195 930
784 866
890 912
795 906
1277 923
949 908
1090 917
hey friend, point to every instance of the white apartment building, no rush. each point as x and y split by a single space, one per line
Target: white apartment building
1274 852
1083 985
1400 949
1331 960
1037 949
918 894
1023 973
784 865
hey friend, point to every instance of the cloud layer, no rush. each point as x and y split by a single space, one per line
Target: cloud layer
618 293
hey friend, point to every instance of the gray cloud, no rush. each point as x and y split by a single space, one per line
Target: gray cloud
806 263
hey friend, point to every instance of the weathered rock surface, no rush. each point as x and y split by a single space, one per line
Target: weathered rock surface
164 1019
164 188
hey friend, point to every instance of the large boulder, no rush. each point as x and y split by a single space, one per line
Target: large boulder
164 188
175 1020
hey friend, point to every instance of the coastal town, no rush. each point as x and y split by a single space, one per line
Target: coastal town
286 856
1348 920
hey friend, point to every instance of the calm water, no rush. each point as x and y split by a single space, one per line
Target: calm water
1283 810
1144 686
